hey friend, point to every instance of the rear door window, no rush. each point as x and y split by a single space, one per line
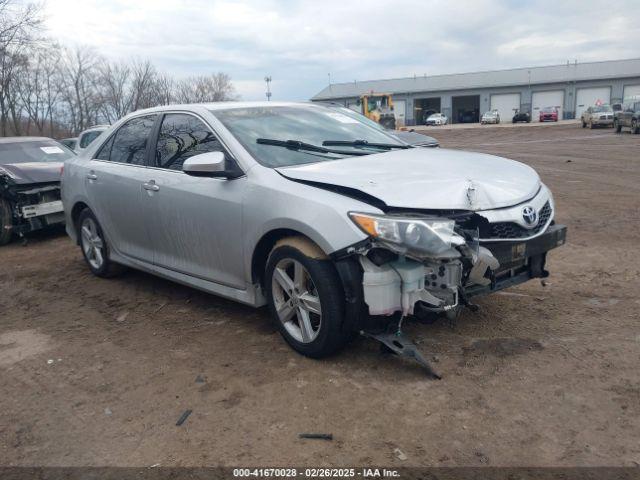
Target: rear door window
129 143
182 136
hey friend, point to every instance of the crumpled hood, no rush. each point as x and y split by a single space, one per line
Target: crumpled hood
33 172
428 178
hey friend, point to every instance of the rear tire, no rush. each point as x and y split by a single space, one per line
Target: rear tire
306 301
94 246
584 124
635 128
617 126
6 222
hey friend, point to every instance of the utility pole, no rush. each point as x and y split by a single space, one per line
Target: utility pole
268 82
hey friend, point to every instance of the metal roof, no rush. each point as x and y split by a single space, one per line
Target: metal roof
568 72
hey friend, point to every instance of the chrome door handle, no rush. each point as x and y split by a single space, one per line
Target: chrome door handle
92 176
151 186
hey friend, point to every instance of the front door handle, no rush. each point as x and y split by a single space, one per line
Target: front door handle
151 185
92 176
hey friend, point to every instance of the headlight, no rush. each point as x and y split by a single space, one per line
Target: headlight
431 236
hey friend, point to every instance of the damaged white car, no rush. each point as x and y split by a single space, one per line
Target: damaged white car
336 225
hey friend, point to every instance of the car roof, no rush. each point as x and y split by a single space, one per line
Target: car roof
95 127
25 139
227 105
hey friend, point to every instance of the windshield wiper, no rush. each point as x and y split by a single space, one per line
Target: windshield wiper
303 146
362 143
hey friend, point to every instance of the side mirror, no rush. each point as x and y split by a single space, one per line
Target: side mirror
210 164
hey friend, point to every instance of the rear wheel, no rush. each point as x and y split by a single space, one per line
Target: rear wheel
584 124
306 301
94 246
635 128
6 221
617 126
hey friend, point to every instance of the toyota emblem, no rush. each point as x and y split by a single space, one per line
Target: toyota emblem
529 215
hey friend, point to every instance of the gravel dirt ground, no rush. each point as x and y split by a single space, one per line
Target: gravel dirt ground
97 372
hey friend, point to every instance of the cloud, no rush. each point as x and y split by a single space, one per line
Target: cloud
299 42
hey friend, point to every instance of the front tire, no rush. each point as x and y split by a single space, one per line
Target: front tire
6 222
94 246
306 300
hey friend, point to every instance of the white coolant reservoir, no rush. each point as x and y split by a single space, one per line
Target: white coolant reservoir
382 289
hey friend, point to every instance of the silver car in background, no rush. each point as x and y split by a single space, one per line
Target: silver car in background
335 225
492 116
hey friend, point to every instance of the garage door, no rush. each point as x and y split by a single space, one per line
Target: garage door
631 91
540 100
400 109
505 104
588 97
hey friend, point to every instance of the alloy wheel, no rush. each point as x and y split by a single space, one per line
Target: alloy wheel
296 300
92 244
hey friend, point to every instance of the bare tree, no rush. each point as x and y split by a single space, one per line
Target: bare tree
80 94
46 88
38 89
163 90
18 25
18 21
144 76
211 88
114 80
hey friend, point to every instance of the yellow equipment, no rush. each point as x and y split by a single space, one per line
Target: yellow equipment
379 108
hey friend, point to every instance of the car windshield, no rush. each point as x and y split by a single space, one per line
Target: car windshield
33 151
602 108
308 124
360 117
549 110
89 137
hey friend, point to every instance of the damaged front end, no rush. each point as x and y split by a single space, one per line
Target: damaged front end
420 260
31 206
425 264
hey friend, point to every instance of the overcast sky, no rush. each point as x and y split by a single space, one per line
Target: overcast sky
298 43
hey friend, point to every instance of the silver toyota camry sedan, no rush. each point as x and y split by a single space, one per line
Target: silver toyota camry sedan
336 225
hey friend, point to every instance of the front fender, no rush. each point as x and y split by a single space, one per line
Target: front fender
273 202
